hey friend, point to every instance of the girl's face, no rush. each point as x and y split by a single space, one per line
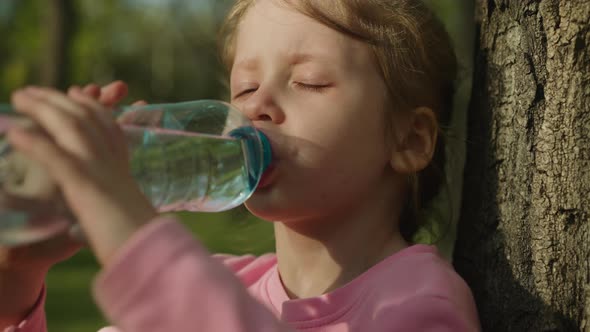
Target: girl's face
318 96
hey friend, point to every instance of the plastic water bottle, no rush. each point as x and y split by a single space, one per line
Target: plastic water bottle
193 156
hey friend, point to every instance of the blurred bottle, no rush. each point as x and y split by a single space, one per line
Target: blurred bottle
194 156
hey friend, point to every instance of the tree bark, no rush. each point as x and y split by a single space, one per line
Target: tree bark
523 240
58 30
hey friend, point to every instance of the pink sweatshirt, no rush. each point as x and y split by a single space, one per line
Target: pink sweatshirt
164 280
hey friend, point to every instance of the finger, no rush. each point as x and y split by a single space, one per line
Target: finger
138 115
113 93
92 90
72 87
62 101
60 165
75 179
72 132
87 115
85 108
98 110
130 116
111 131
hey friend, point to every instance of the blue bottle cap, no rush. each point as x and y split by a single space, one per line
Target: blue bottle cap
266 151
254 151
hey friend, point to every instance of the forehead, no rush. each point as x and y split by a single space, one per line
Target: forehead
273 27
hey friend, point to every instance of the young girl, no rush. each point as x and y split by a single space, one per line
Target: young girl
351 94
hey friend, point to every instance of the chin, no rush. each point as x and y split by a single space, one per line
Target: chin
269 204
274 207
265 207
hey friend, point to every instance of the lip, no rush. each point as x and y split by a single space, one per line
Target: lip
268 176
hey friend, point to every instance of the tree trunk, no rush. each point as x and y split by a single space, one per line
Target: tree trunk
524 235
58 31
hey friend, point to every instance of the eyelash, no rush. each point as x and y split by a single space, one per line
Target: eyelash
311 87
247 91
308 87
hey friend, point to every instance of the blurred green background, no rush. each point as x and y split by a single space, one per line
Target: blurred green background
166 50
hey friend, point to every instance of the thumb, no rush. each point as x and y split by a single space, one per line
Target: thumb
130 116
113 93
140 103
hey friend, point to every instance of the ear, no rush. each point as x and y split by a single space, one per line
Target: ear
416 142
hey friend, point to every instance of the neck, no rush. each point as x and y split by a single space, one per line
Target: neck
319 255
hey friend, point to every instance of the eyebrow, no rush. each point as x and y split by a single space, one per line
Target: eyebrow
247 63
299 58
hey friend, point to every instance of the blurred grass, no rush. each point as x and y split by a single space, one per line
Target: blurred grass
70 307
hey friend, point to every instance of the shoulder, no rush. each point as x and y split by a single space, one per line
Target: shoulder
417 286
418 271
427 313
248 268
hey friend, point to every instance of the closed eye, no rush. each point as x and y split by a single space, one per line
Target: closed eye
312 87
245 92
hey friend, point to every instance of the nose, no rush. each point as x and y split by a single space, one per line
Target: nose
262 106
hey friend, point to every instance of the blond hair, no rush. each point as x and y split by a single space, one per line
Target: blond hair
415 58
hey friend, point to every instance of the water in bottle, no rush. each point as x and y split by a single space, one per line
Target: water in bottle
194 156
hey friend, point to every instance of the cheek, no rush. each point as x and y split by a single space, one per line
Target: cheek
352 140
331 185
328 171
341 138
347 157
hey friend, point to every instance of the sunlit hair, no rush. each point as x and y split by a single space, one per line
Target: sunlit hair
415 57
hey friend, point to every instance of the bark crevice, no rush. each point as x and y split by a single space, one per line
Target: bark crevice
524 235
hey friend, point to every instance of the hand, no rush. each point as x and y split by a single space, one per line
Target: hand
22 273
23 269
109 95
86 154
37 185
